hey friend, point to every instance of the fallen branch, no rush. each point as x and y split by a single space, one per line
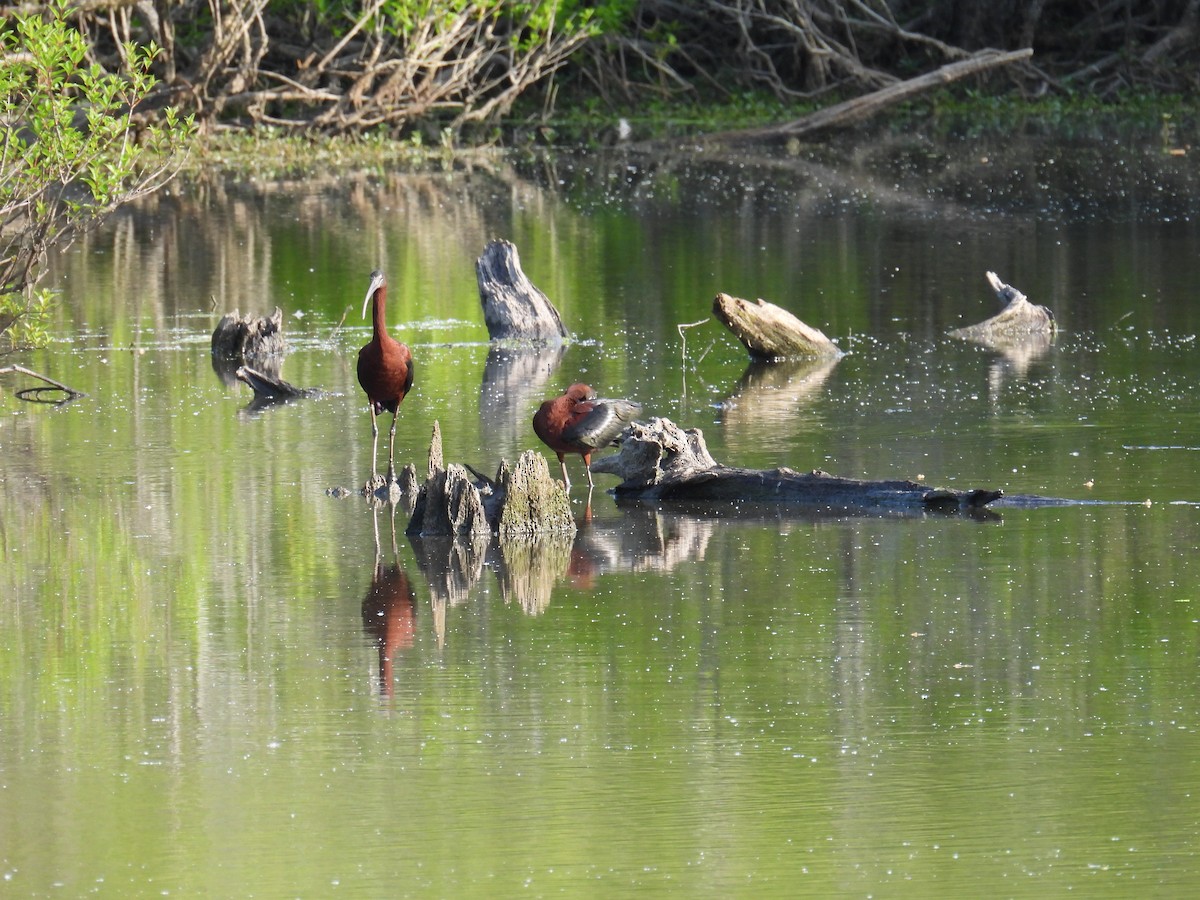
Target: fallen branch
34 394
851 111
513 307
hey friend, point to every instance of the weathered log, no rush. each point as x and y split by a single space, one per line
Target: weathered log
1019 318
513 307
770 332
661 461
859 108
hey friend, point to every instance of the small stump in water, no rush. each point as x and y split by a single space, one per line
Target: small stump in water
513 307
1019 318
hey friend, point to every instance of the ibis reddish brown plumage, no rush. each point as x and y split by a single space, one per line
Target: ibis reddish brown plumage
580 422
385 371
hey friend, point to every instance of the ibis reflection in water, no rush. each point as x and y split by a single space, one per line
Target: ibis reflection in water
385 371
389 608
580 422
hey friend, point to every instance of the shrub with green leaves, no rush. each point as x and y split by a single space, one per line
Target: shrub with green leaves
71 150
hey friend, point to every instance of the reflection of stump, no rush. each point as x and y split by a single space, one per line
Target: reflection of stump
530 567
513 308
514 382
769 331
660 461
1018 320
451 565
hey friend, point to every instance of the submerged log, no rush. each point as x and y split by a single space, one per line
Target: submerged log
513 307
661 461
771 332
1018 319
270 388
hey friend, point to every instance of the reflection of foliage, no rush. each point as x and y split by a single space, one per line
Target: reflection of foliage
71 151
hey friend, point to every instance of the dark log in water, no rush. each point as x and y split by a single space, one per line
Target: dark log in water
661 461
1019 318
771 332
272 389
513 307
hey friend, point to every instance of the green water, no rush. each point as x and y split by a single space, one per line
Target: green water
770 703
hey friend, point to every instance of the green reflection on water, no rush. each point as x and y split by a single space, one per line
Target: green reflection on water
774 703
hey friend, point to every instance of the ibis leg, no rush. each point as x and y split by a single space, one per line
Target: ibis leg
391 476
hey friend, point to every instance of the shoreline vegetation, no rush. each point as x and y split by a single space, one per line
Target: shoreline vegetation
271 90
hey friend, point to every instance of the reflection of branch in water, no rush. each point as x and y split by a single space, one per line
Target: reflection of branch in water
514 382
388 608
771 393
528 568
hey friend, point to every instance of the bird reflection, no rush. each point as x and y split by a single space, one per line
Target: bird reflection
389 606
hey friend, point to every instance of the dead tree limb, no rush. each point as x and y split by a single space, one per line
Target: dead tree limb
1018 319
851 111
34 394
770 332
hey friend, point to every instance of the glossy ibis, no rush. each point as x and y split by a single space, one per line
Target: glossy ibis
579 422
385 371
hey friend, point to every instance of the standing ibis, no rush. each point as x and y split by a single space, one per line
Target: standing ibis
579 422
385 371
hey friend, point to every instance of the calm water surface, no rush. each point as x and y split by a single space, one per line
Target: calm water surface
219 680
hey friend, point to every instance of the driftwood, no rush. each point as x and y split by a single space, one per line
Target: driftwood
850 112
253 341
1019 318
771 332
661 461
513 307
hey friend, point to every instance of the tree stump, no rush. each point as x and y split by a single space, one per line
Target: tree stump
1018 319
520 501
661 461
255 342
530 501
449 503
513 308
770 332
